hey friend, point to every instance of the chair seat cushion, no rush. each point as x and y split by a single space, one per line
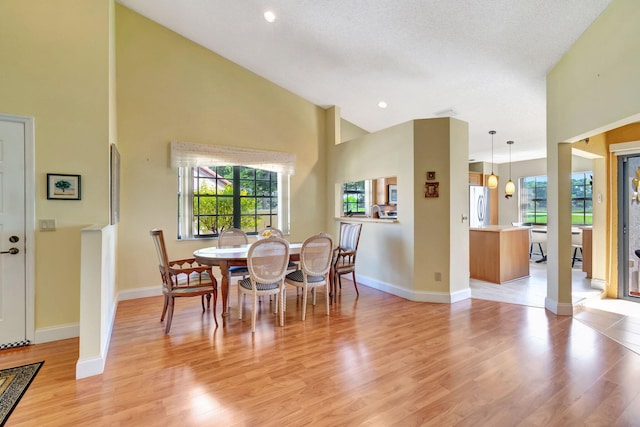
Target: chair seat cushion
192 290
246 284
238 269
297 276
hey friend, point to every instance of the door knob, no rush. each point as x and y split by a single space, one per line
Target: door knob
11 251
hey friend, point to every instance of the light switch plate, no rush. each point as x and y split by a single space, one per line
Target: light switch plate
47 225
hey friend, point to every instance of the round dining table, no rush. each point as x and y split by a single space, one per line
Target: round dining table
228 256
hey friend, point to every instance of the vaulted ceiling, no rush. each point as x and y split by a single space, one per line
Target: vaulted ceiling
481 61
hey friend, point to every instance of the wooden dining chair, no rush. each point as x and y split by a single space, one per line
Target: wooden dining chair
271 231
183 278
345 253
315 262
233 237
267 261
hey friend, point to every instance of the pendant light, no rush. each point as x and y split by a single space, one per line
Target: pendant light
510 188
492 181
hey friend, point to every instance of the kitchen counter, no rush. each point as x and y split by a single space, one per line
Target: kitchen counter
499 228
499 253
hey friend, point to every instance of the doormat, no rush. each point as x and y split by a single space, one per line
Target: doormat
13 384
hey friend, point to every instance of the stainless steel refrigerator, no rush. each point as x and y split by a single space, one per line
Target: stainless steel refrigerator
478 206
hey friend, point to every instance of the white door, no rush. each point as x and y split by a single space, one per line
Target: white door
12 233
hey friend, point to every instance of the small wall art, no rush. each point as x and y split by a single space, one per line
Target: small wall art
63 187
431 176
431 189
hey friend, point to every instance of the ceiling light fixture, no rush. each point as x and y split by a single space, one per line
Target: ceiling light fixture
382 104
510 188
269 16
492 181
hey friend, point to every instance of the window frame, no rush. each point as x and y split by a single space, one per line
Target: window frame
588 189
364 204
522 210
587 198
185 214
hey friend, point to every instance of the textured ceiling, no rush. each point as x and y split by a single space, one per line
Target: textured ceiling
481 61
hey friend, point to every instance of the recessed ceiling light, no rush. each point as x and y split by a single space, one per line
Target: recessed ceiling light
269 16
382 104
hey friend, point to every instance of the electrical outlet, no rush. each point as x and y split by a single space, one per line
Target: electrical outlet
438 276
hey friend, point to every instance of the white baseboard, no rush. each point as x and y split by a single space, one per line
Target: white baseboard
72 330
56 333
559 309
150 291
90 367
413 295
599 284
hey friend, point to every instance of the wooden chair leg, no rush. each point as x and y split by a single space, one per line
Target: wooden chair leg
354 282
169 314
284 299
215 303
254 313
164 308
304 302
282 308
327 295
202 300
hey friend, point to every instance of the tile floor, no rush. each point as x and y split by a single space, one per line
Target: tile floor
617 319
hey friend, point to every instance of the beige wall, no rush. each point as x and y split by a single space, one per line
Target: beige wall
170 88
592 89
349 131
383 244
419 245
441 238
55 68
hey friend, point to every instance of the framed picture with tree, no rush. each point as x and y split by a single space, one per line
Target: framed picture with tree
63 187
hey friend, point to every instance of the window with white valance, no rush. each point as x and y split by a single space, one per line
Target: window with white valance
186 154
220 186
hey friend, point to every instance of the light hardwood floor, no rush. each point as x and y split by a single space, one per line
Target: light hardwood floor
617 319
377 360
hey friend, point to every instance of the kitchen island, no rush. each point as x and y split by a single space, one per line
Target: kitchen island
499 253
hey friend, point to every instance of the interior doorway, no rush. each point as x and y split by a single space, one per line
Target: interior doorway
17 213
629 227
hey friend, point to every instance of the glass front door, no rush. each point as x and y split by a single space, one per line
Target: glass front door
629 227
